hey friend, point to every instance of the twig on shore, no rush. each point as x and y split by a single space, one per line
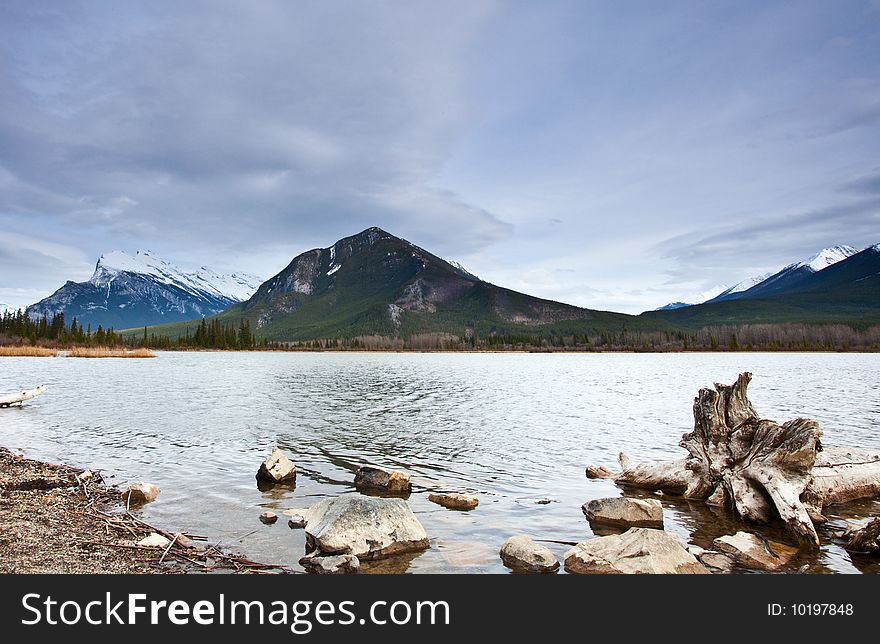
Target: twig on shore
170 545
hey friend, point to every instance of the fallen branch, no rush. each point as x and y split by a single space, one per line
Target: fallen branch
20 397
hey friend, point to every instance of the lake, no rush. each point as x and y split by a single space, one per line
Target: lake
510 428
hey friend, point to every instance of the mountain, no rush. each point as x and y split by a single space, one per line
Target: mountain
788 278
6 308
739 287
770 283
143 289
672 306
821 290
374 283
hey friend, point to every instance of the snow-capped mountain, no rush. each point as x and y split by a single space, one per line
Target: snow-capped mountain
773 282
4 308
739 287
127 291
828 256
790 276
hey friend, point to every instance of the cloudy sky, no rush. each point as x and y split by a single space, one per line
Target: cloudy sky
616 155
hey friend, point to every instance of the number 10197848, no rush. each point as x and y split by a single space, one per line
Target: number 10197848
809 610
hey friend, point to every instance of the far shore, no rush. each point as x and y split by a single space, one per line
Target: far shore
19 351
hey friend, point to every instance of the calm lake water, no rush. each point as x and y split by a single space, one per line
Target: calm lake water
510 428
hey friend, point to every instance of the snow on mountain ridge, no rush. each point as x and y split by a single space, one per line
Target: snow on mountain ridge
827 257
748 283
235 286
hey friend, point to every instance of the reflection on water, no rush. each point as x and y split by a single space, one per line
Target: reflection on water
510 428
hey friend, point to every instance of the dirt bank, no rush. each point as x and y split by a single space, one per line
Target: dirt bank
58 519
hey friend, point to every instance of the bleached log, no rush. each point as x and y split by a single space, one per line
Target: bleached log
20 397
756 467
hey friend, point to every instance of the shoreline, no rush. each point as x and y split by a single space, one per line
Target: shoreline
62 352
62 519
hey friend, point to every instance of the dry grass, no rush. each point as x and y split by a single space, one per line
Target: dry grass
106 352
15 351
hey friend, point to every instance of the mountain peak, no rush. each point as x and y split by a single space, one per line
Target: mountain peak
145 263
826 257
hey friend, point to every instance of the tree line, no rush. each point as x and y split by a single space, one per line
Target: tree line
215 334
55 330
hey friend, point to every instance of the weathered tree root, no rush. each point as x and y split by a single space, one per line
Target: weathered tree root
756 467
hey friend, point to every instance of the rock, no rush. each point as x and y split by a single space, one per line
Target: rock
367 527
291 512
378 478
717 560
599 472
455 501
696 551
330 565
297 521
543 501
752 551
183 540
624 512
268 518
521 553
277 468
86 476
636 551
140 493
154 541
866 539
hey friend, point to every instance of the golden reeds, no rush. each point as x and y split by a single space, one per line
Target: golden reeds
15 351
107 352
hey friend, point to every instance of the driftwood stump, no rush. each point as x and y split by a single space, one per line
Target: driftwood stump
756 467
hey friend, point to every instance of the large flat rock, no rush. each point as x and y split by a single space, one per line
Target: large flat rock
636 551
367 527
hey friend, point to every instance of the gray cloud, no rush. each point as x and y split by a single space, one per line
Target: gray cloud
266 121
771 241
650 153
867 183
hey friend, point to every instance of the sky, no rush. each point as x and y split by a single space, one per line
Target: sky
612 155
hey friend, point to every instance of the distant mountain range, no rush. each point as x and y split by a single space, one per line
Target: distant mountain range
837 285
144 289
773 282
374 283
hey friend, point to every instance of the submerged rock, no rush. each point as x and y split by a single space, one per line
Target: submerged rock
624 512
330 565
378 478
277 468
268 518
752 551
636 551
455 501
866 539
521 553
140 493
367 527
